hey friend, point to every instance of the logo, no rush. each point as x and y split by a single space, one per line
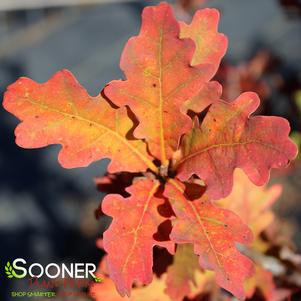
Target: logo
20 269
52 280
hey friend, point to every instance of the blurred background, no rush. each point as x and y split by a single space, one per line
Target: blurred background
47 212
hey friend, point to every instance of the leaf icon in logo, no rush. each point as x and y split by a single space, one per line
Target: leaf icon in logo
98 279
9 270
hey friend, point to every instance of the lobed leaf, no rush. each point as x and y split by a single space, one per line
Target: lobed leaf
60 111
228 138
252 203
214 232
210 48
211 45
159 79
129 241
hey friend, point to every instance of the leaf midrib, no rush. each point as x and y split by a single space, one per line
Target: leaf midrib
139 225
232 144
114 133
162 139
199 220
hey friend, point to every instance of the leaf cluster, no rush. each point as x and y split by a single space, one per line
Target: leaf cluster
165 122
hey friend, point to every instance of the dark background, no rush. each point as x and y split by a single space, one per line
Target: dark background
47 212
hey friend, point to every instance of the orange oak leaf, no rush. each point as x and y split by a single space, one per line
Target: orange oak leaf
60 111
211 45
228 138
129 241
214 232
159 79
252 203
181 274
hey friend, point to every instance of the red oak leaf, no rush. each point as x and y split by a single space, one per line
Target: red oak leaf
228 138
60 111
213 231
159 79
211 45
129 241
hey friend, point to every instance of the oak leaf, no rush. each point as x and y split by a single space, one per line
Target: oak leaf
228 138
159 79
60 111
129 241
252 203
211 45
214 232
